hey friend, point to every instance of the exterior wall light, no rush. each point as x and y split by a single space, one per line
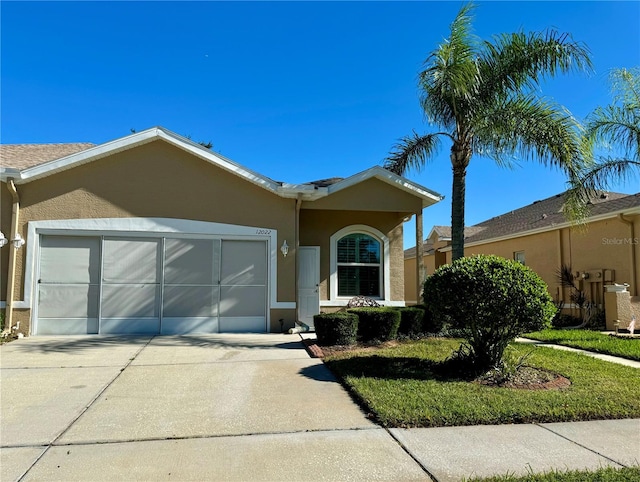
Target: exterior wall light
18 242
284 248
3 240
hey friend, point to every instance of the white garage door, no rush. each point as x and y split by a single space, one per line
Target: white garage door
121 285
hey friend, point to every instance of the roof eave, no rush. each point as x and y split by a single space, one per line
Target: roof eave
428 196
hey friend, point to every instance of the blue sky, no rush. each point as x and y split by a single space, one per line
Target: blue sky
297 91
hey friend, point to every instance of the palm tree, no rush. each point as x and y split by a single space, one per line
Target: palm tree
616 126
481 96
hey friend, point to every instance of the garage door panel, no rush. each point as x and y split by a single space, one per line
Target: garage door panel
190 301
69 259
244 324
188 325
67 326
130 285
68 301
130 300
131 260
243 263
191 261
242 301
130 326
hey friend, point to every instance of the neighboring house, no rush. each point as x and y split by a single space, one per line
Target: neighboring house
605 250
153 233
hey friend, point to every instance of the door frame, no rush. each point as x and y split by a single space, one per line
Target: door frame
302 252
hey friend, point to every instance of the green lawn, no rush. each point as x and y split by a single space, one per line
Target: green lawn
403 386
607 474
625 347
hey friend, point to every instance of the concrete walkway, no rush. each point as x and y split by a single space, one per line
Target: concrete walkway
599 356
243 407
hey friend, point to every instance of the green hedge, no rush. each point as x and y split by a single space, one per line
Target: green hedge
430 323
377 324
339 328
411 320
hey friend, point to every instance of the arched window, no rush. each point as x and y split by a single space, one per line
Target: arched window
359 265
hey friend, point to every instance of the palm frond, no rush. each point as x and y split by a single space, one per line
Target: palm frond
518 61
412 152
450 76
608 170
616 127
529 128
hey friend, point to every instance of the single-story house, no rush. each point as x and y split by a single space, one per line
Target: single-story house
153 233
606 249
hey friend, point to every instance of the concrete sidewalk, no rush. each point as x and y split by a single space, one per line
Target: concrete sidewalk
243 407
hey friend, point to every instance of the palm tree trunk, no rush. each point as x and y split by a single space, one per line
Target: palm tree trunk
460 158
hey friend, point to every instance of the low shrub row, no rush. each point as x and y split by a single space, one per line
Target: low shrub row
373 325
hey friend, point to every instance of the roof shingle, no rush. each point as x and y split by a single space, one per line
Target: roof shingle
24 156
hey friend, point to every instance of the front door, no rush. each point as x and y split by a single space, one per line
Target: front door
308 284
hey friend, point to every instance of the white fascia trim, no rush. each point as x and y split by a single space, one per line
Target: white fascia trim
86 156
138 139
333 261
428 196
146 227
7 173
308 191
600 217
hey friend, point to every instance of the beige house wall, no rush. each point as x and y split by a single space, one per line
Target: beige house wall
369 195
317 227
135 183
601 245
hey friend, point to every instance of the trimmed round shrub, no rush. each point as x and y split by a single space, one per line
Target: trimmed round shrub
339 328
491 300
377 324
411 321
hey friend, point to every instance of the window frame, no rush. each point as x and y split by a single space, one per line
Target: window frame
359 264
520 254
384 271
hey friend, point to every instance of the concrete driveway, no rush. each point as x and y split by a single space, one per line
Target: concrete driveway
215 407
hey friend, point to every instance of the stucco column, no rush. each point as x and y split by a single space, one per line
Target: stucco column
420 277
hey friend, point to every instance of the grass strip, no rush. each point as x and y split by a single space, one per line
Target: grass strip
401 387
625 347
605 474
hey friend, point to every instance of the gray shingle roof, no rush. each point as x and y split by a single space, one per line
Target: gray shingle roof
23 156
545 213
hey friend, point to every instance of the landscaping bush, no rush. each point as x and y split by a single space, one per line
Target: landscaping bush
336 328
430 323
492 300
411 321
377 324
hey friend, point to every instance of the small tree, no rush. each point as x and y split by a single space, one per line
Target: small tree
492 300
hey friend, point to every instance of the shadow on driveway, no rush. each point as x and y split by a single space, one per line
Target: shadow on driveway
89 342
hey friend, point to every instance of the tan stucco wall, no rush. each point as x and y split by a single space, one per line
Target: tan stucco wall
157 180
317 227
6 204
605 244
370 195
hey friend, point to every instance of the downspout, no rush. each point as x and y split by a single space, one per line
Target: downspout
634 265
11 273
299 327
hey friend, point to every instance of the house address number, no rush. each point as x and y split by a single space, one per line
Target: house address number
263 231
